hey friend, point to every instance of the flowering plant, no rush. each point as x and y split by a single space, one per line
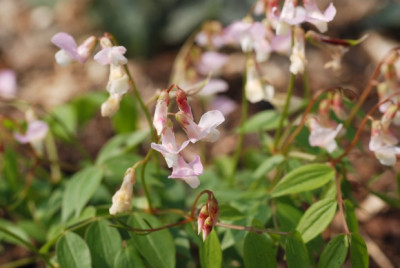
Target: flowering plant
203 180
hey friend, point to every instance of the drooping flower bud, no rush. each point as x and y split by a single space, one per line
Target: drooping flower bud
298 58
122 199
181 100
256 89
161 112
70 51
202 217
208 217
337 106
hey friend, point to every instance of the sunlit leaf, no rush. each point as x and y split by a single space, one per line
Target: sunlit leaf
351 217
265 120
304 178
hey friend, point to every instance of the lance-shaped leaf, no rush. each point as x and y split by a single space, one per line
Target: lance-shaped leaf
258 251
157 248
305 178
104 243
210 252
334 253
72 252
358 252
79 190
128 257
296 251
316 219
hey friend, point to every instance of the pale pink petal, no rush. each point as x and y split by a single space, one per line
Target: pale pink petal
36 131
223 104
187 172
214 86
102 57
315 16
111 55
161 112
324 137
211 62
8 84
67 43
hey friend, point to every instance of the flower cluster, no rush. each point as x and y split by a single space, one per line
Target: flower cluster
208 217
205 130
109 54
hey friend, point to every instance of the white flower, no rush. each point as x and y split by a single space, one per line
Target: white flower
256 89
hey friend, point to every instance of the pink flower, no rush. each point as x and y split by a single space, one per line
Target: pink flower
111 55
118 83
323 136
70 50
383 143
214 86
251 36
205 130
168 147
315 16
292 14
161 112
36 132
211 62
8 84
223 104
188 172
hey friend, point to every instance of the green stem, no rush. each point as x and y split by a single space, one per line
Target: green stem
306 86
146 190
238 151
141 103
285 111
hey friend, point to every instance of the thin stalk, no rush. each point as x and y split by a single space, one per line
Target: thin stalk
250 229
306 86
19 263
238 151
369 86
141 103
340 204
285 111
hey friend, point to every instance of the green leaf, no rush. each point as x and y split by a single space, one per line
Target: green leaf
104 243
79 190
258 251
157 248
351 217
267 165
288 216
304 178
10 169
126 118
128 257
121 144
72 252
64 121
296 251
334 253
358 252
317 217
265 120
229 213
210 252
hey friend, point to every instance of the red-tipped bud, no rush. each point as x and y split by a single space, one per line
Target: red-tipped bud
203 215
207 227
337 106
183 104
388 116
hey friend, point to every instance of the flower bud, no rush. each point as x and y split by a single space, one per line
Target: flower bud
337 106
183 104
207 227
161 112
122 199
87 47
202 217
